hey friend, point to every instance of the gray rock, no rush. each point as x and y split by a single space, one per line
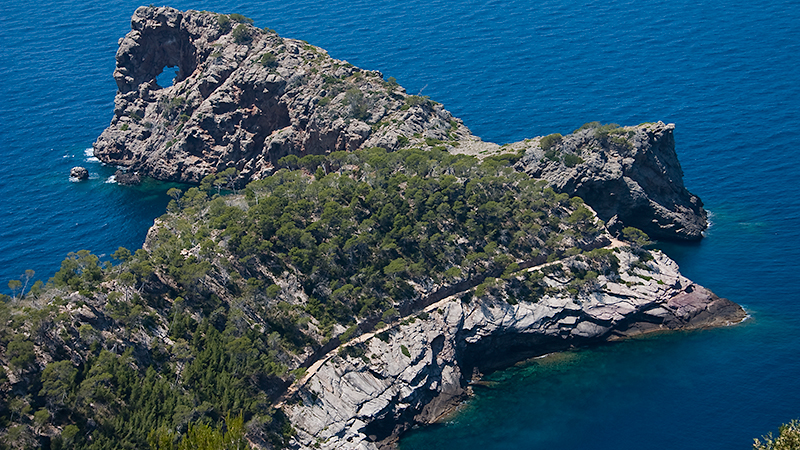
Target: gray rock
368 402
79 173
127 178
227 109
630 176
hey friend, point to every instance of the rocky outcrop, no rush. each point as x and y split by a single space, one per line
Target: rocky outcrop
629 175
79 173
244 97
128 178
373 390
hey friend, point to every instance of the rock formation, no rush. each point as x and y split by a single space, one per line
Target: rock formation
79 173
630 175
245 98
127 178
414 372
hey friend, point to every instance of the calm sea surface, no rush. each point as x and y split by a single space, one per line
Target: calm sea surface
725 72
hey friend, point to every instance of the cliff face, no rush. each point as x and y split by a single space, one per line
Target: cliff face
363 398
244 98
630 175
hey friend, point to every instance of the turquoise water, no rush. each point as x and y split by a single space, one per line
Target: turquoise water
724 72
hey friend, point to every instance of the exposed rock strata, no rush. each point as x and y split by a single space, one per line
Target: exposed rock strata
420 369
246 100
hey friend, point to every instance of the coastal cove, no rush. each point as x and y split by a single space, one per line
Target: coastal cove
730 98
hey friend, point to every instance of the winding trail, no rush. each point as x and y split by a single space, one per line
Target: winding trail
432 302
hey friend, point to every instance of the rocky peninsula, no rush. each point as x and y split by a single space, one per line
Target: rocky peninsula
244 98
370 260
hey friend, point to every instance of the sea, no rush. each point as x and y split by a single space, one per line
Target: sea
725 72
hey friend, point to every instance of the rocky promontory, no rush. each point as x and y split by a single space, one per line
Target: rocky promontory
412 373
630 175
350 261
245 97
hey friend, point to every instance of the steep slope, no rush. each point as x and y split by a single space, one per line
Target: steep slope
630 175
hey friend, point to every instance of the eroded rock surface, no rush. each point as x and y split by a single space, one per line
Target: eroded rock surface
79 173
411 374
629 175
245 97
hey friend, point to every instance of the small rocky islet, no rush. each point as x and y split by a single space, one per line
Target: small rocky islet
372 258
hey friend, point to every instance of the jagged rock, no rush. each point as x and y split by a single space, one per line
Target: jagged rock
630 176
247 102
414 373
127 178
79 173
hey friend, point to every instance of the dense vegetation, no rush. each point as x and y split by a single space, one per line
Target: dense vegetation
214 317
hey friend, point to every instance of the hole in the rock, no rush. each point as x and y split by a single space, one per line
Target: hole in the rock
167 76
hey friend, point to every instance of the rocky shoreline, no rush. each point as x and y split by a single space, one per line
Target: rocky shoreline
418 371
248 100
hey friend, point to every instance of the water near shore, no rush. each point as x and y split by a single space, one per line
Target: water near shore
724 73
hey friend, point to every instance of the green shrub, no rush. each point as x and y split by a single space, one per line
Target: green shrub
240 18
241 34
357 103
268 60
223 21
572 160
587 126
124 127
402 141
405 351
603 131
432 142
788 439
549 141
416 100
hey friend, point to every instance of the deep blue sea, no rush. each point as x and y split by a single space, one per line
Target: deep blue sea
725 72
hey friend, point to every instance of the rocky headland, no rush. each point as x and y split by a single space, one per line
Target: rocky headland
245 97
373 260
416 371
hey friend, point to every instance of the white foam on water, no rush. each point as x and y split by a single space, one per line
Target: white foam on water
111 179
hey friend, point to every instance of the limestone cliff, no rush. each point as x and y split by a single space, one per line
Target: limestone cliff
410 374
630 175
244 97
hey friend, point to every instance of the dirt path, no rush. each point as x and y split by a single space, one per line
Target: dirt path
314 368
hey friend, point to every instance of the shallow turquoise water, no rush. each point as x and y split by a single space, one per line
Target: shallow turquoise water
723 72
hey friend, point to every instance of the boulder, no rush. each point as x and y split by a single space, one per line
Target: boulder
80 173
